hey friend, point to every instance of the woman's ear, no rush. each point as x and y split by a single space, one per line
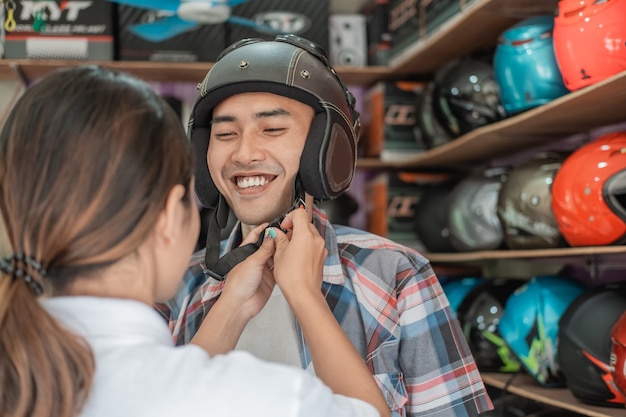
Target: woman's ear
172 218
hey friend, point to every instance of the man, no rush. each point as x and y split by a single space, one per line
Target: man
277 129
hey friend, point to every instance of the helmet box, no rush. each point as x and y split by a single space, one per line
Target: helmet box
307 19
392 198
190 46
72 30
390 120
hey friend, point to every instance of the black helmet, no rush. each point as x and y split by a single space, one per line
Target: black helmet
432 133
584 350
479 314
467 96
296 68
525 204
431 218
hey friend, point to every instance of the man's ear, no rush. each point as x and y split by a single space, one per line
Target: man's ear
169 224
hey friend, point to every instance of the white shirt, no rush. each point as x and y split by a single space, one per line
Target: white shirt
140 373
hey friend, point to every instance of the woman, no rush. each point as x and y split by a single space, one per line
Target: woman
98 219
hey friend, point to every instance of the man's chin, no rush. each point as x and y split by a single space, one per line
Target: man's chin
255 219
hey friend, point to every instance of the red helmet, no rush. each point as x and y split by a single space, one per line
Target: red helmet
589 40
617 363
588 193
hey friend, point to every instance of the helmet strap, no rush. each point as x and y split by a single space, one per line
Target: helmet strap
218 267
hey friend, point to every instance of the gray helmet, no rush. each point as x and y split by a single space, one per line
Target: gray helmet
525 204
296 68
472 217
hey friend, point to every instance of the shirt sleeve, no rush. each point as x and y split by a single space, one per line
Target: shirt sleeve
440 375
255 387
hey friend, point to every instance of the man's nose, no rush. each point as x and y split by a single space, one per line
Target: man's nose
250 148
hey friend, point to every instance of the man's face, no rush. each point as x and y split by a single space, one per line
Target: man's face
254 153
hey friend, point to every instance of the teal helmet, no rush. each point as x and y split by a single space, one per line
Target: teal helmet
530 324
525 65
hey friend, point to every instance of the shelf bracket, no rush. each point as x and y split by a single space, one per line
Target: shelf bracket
19 74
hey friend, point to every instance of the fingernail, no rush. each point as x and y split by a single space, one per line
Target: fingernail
270 233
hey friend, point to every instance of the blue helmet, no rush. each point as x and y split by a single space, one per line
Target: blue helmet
530 324
525 65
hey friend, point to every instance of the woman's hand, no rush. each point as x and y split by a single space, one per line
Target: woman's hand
249 284
299 260
247 288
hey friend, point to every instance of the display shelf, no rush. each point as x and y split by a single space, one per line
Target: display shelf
29 70
555 254
525 386
594 106
477 26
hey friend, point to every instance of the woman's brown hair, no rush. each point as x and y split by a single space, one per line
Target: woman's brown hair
87 159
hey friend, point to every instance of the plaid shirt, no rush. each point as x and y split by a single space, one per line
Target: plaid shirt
389 302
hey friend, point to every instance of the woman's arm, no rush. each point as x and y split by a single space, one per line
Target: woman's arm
247 289
298 267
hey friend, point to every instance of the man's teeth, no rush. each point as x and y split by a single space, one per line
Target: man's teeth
247 182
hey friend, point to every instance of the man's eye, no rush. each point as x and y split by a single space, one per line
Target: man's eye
224 135
275 129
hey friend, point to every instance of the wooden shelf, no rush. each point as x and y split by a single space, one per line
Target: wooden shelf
525 386
555 254
477 26
193 72
594 106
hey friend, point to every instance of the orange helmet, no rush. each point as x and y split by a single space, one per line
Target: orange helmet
588 193
617 362
589 40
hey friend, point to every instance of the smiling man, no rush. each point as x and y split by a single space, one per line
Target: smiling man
254 153
274 127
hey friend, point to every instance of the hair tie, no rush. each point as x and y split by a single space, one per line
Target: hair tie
18 266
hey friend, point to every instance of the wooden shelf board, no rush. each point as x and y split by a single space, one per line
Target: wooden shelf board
556 253
597 105
164 71
525 386
477 26
364 76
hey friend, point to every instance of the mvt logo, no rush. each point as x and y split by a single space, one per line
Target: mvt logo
53 11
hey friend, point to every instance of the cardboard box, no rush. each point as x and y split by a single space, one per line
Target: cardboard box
202 44
376 14
433 13
72 30
308 19
412 20
389 119
391 200
404 24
